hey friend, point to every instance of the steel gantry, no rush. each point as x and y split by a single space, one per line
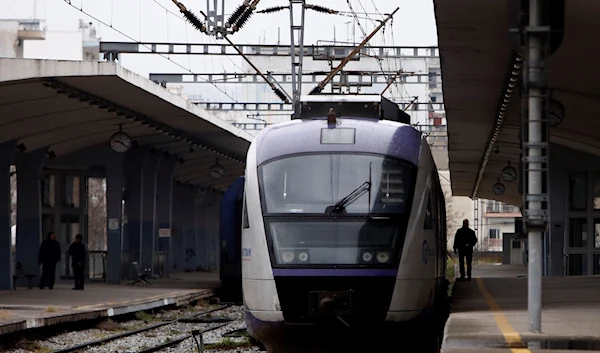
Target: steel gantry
348 78
288 107
316 52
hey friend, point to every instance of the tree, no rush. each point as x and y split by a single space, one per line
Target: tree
97 214
454 218
454 215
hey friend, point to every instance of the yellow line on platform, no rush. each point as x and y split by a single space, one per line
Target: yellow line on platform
511 336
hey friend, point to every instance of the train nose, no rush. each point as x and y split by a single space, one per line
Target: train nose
334 303
327 304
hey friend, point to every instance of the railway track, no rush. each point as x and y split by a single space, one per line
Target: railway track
202 325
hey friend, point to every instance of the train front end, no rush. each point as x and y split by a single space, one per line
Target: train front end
326 214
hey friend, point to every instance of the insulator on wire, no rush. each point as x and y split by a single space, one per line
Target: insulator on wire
280 94
315 90
236 14
273 9
322 9
243 19
194 20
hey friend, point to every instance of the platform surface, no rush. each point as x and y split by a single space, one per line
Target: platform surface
490 313
29 308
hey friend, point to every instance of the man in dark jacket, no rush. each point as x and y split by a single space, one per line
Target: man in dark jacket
78 254
49 255
464 241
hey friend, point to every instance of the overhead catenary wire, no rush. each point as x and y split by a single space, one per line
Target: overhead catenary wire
80 9
241 15
275 89
355 16
192 18
329 77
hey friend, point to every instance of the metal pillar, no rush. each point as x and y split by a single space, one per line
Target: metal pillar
536 157
114 219
297 31
201 232
6 259
190 238
147 241
133 204
164 207
29 209
215 19
177 261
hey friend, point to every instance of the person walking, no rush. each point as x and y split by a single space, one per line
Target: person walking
464 241
48 256
78 254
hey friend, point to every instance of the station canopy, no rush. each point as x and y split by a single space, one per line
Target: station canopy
476 54
69 106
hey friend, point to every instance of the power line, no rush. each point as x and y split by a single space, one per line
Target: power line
80 9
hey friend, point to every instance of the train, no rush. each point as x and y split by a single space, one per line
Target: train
230 237
343 229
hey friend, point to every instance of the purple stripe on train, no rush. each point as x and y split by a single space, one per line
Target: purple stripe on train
331 272
372 136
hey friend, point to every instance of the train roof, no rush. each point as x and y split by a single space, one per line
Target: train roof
365 106
353 135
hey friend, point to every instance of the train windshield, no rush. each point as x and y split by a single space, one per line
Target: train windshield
349 241
341 184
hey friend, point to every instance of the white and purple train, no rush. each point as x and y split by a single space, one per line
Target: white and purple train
344 227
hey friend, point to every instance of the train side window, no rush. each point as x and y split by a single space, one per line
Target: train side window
428 224
245 223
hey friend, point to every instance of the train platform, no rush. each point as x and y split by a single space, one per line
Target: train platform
25 308
489 313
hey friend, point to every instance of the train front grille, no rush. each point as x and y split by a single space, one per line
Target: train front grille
322 299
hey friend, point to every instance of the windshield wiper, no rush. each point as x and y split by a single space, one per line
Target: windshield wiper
340 206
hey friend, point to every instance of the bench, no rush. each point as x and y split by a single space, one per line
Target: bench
141 274
29 280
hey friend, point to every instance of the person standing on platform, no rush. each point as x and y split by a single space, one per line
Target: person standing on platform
78 254
464 241
48 256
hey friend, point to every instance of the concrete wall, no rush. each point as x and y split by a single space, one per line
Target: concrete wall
8 39
56 46
503 224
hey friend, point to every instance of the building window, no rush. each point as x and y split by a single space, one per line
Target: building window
494 233
578 192
48 190
432 80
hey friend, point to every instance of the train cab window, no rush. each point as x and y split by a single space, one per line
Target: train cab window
310 184
245 223
428 224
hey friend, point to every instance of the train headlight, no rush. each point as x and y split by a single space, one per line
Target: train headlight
367 256
303 256
287 256
382 257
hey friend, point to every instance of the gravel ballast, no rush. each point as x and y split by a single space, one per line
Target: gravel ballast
153 337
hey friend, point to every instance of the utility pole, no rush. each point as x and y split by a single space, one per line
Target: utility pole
535 134
297 32
534 147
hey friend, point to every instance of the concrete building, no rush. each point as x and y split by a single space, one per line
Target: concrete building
15 34
29 39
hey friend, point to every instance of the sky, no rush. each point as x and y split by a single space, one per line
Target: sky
160 21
